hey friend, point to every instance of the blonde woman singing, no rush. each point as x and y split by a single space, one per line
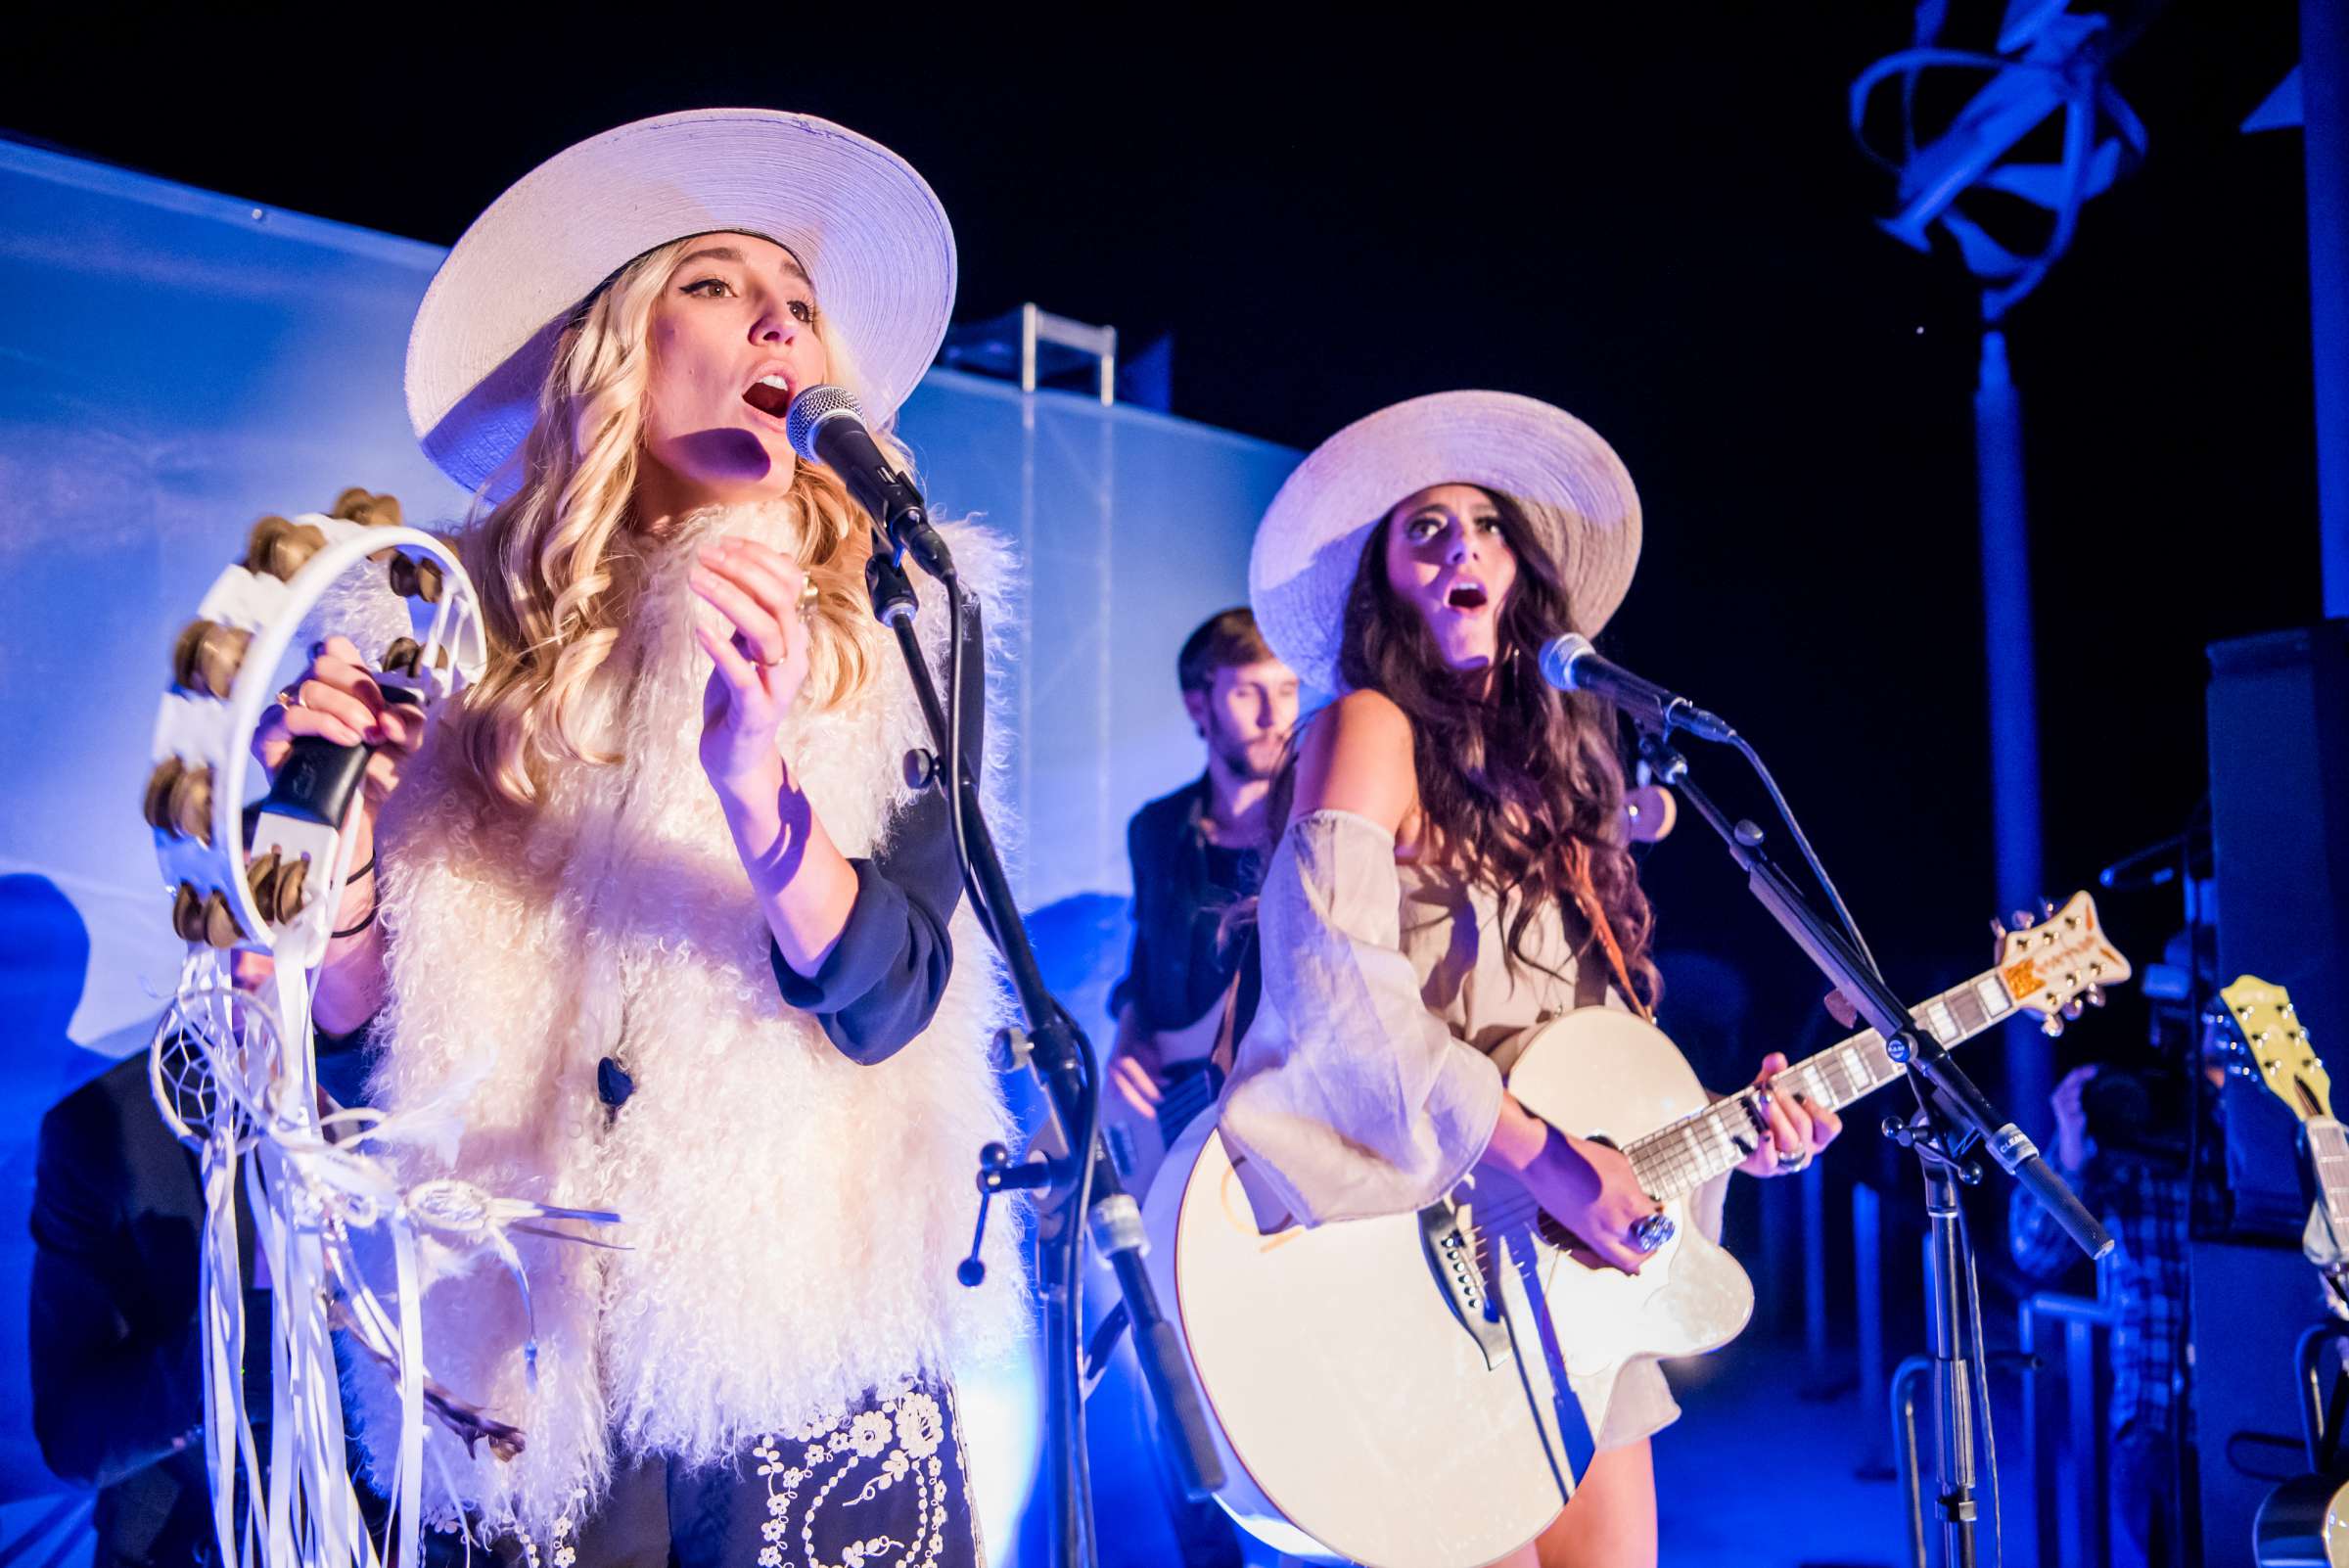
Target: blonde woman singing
659 924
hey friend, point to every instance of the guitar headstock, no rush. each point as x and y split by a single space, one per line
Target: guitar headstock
2055 964
2261 1019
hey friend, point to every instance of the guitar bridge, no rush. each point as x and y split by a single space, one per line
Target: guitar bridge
1450 1254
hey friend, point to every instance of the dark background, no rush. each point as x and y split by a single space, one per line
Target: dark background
1661 224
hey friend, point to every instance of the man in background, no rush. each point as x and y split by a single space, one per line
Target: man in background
1196 853
2125 1138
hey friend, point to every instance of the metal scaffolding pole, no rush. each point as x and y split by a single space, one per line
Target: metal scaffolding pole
2012 672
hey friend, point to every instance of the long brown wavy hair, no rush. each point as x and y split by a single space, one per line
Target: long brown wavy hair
1521 787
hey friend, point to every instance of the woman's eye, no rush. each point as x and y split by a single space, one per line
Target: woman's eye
1488 525
802 312
1423 528
708 288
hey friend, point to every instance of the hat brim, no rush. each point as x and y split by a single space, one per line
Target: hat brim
1310 543
869 230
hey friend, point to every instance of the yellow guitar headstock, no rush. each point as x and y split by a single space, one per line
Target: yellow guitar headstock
2261 1018
2054 964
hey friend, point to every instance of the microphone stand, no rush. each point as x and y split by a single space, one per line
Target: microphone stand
1953 1115
1057 1053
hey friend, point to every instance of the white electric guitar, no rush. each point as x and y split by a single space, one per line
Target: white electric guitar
2306 1519
1388 1391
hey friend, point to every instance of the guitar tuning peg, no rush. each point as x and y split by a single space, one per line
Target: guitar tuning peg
2046 908
2072 1008
2021 920
2096 995
2051 1026
1998 930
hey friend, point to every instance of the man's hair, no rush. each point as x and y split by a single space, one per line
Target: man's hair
1226 639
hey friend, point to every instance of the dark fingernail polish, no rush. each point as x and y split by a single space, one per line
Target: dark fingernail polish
317 650
1801 1098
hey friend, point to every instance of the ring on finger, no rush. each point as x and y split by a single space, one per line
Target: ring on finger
289 698
1799 1160
750 650
1651 1231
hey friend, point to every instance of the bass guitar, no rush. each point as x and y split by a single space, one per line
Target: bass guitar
1421 1390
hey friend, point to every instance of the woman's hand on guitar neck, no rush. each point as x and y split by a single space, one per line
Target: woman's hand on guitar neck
1797 1127
1583 1185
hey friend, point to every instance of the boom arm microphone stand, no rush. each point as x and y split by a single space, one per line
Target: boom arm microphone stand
1075 1189
1953 1115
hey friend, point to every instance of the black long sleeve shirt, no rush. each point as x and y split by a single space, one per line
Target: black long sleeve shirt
880 985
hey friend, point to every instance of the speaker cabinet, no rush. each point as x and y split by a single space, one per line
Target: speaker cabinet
2278 710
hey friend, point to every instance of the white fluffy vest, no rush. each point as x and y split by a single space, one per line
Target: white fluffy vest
791 1220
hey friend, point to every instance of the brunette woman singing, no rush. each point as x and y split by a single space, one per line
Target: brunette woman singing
1452 870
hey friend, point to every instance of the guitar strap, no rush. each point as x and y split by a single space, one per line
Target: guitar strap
1590 985
1590 980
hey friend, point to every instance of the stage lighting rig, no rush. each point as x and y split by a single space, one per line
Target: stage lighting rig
2049 63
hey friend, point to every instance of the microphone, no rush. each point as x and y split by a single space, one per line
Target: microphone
1571 663
826 425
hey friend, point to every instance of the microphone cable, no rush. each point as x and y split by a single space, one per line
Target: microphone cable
1802 842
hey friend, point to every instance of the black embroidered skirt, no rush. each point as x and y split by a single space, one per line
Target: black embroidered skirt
881 1486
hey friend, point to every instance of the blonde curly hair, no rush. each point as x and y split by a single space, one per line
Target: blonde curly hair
542 560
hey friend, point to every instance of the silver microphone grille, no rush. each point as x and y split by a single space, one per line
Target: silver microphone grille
810 409
1558 656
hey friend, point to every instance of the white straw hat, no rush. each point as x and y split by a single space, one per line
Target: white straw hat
867 228
1569 482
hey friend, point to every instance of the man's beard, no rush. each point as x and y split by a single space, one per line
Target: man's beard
1237 760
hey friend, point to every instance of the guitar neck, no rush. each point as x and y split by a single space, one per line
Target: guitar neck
2328 1153
1684 1156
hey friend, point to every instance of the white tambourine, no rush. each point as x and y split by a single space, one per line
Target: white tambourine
278 893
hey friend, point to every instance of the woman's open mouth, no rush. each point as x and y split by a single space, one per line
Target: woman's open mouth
1465 596
770 395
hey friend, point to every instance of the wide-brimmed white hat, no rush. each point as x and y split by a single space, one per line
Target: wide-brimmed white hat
867 228
1569 483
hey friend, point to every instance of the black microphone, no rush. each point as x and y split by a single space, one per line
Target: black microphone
826 425
1571 663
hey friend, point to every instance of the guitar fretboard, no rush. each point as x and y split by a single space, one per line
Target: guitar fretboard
2329 1152
1684 1156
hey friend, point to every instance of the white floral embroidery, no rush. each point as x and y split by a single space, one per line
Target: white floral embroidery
919 1425
904 1432
563 1535
869 1434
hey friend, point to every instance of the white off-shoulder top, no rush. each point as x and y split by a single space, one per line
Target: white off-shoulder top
1370 1079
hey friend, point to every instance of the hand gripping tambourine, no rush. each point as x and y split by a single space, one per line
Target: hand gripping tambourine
279 894
234 1073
